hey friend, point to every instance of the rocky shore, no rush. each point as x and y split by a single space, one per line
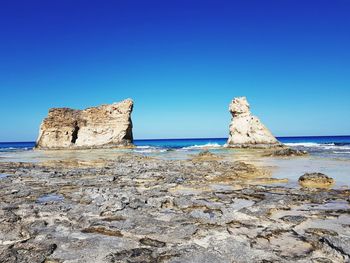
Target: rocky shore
132 208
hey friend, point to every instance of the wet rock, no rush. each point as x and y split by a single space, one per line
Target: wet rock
44 199
152 242
166 211
10 217
339 243
136 203
321 260
316 180
206 156
294 219
183 202
136 255
114 218
27 252
12 233
288 152
321 232
102 231
279 240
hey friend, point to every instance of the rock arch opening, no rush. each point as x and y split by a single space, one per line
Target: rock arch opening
75 133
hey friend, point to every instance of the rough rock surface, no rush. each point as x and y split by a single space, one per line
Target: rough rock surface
247 130
316 180
103 126
288 152
140 209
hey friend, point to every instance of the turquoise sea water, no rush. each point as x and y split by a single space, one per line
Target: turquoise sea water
328 154
325 146
332 146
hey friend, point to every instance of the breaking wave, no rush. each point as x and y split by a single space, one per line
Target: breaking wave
14 149
204 146
149 149
325 146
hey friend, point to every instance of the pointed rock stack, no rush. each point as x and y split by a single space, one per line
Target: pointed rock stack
246 131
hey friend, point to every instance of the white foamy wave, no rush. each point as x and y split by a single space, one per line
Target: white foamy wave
14 149
337 148
149 149
322 146
144 147
204 146
306 144
9 148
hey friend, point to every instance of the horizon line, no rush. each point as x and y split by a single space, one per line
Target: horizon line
201 138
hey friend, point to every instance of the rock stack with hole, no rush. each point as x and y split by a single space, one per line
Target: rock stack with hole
246 130
105 126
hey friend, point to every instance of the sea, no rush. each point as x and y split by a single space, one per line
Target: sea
327 154
323 146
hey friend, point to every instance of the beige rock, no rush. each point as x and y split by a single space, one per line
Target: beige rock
97 127
316 180
287 152
247 130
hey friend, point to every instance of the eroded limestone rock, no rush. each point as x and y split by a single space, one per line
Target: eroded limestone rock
288 152
103 126
206 156
246 130
141 209
316 180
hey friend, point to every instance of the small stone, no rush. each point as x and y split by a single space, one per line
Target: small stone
294 219
316 180
288 152
152 242
102 231
205 156
132 255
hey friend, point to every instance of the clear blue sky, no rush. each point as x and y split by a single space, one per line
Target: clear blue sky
181 61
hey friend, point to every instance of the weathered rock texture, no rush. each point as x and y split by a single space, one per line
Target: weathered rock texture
287 152
316 180
125 208
247 130
103 126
